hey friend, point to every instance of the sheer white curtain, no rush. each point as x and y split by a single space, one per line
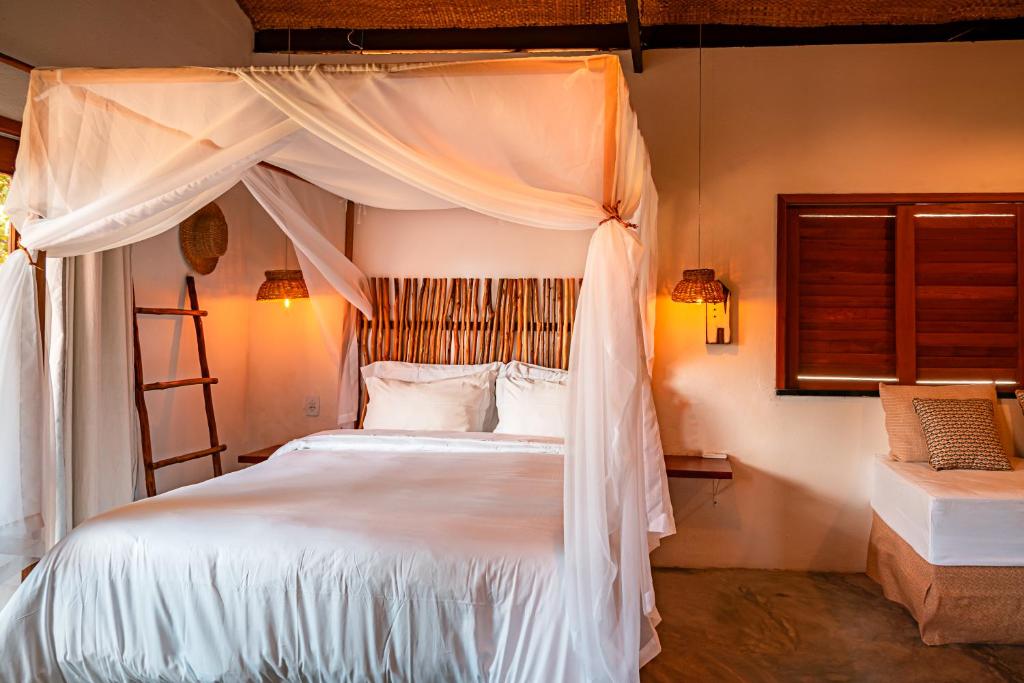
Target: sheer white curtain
112 157
327 272
98 447
22 411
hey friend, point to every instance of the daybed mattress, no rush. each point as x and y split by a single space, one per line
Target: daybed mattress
347 556
953 517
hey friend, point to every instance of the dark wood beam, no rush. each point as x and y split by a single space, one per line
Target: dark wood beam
16 63
350 228
10 135
8 155
520 38
10 127
616 37
633 30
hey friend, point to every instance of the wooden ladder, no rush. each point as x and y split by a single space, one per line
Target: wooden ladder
216 448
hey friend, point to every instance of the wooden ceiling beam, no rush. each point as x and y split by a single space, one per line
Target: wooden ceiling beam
614 37
636 48
9 127
602 36
16 63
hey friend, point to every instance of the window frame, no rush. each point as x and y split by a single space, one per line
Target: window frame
785 270
10 137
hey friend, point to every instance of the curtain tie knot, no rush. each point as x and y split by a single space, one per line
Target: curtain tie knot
612 210
28 256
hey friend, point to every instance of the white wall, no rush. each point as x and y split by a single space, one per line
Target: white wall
904 118
268 358
169 348
117 33
461 243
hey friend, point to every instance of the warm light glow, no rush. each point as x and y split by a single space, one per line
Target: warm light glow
1001 382
843 378
287 303
845 215
964 215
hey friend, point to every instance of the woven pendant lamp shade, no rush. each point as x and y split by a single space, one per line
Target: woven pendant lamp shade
699 286
282 284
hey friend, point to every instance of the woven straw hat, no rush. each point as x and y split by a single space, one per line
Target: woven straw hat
204 238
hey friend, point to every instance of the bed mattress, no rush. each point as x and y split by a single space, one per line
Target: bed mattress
953 517
348 556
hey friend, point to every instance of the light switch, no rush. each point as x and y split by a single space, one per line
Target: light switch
312 406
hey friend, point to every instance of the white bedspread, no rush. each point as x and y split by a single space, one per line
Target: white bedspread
953 517
348 556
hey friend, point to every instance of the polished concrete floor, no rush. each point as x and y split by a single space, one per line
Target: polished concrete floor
727 625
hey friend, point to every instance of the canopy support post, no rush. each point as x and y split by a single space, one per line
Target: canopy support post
41 299
350 228
633 28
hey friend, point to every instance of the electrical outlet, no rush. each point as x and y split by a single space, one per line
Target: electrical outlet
312 406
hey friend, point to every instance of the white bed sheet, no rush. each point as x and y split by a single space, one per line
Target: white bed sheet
953 517
347 556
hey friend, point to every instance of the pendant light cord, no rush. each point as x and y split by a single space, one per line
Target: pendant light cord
700 135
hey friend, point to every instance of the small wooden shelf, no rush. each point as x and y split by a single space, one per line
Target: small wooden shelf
696 467
258 456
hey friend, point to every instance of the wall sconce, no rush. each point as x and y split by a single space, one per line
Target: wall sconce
718 320
699 286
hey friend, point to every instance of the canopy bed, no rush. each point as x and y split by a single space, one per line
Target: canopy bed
523 583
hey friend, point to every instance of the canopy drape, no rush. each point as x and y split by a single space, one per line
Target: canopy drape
111 157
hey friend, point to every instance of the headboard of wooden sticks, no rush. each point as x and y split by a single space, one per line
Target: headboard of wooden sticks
466 321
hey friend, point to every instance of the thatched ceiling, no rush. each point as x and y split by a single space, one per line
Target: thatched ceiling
469 14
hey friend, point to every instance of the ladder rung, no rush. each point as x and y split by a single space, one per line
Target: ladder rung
174 384
189 456
168 311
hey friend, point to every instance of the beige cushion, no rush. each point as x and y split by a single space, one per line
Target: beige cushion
961 434
906 436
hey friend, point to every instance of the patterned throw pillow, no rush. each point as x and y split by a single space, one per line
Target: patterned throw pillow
961 434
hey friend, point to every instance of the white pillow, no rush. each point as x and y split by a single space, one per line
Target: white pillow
425 372
531 407
432 372
458 404
528 371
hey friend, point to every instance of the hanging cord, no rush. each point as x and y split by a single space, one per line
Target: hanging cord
28 255
613 215
354 44
700 134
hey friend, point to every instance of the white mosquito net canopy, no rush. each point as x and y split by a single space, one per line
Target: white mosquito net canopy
112 157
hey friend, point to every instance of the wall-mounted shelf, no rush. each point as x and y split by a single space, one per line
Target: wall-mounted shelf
258 456
696 467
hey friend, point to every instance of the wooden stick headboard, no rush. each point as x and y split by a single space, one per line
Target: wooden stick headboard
466 321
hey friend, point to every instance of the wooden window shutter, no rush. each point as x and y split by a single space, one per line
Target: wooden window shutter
8 153
960 309
840 294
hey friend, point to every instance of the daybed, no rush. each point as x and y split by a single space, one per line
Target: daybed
948 546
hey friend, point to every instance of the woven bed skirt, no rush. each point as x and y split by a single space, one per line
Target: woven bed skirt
950 604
